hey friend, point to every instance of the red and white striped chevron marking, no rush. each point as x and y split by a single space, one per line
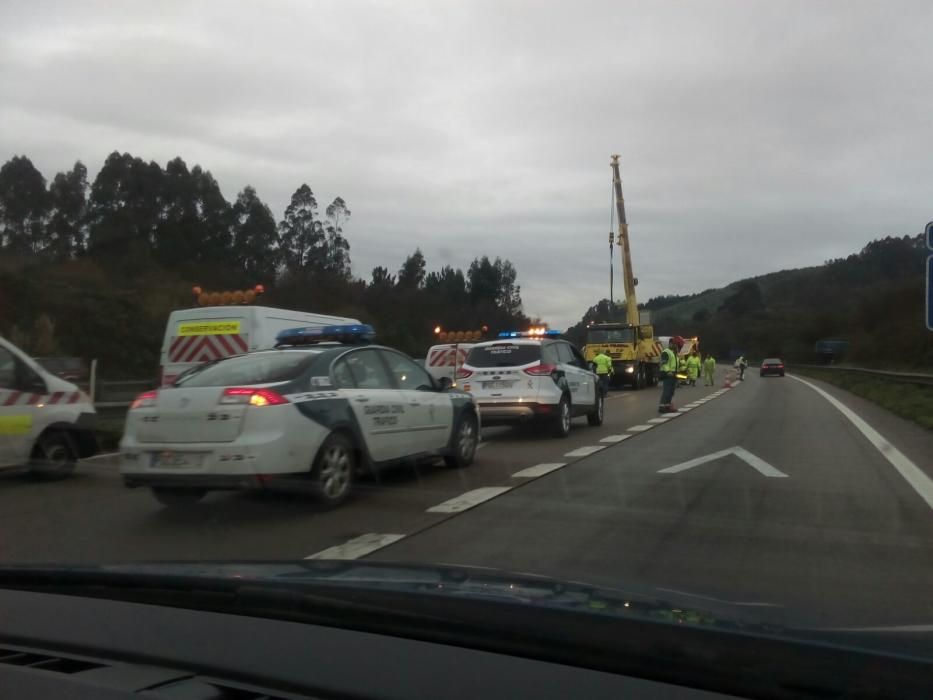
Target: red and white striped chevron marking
447 357
203 348
27 398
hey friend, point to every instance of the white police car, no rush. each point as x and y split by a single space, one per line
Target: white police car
532 375
306 415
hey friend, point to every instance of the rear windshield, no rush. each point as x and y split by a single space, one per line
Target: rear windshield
503 355
257 368
772 361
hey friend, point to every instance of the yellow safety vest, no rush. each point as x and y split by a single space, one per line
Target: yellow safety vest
668 360
603 364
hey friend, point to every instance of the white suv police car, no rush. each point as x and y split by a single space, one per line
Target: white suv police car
306 415
527 376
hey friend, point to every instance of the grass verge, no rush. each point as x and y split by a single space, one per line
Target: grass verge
911 401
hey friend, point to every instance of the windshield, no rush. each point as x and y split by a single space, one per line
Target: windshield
503 355
619 335
258 368
635 295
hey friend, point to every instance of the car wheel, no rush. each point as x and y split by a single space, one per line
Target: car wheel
595 417
178 497
54 456
466 437
334 469
561 427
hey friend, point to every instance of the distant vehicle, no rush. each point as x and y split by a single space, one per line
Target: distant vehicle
527 376
46 423
443 361
307 415
206 333
772 366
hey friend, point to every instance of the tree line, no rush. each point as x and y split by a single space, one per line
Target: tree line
92 268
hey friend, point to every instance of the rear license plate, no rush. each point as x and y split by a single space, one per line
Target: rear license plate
499 384
175 460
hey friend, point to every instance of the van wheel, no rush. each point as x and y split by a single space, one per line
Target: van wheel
333 470
595 417
178 497
464 442
561 426
54 456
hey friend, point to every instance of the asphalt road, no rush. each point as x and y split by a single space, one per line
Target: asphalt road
801 517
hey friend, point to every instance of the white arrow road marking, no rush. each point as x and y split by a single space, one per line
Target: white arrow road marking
920 482
585 451
615 438
538 470
357 547
759 464
467 500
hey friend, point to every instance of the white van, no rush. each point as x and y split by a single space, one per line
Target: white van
195 336
444 360
46 422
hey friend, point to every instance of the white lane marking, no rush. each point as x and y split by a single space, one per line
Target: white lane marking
918 480
357 547
585 451
467 500
639 428
756 462
615 438
538 470
481 445
659 419
684 410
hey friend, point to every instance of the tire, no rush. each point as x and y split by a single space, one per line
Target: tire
561 425
178 497
595 417
333 470
465 440
54 456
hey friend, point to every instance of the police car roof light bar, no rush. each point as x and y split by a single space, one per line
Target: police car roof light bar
350 333
529 334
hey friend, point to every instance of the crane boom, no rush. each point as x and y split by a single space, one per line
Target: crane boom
628 277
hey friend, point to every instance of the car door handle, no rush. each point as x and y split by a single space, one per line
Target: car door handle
361 399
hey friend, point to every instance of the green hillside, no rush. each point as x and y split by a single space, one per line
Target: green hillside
873 299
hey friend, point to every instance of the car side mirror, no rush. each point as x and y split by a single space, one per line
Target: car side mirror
444 383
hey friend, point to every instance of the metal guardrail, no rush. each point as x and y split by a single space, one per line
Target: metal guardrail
899 377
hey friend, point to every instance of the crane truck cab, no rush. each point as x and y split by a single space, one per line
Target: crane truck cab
634 350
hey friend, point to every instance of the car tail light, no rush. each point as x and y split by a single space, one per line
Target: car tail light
147 399
541 370
252 397
463 373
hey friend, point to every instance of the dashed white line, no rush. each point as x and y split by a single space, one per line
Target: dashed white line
357 547
912 474
615 438
639 428
538 470
659 419
684 410
585 451
467 500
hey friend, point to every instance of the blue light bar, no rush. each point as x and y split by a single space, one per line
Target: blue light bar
347 333
537 333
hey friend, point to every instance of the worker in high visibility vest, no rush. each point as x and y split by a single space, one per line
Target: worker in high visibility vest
603 364
693 368
709 369
668 373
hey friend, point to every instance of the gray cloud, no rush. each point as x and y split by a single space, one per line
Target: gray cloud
753 136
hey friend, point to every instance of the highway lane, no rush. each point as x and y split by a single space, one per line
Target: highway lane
92 517
820 529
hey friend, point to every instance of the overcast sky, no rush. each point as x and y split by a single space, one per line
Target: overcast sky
754 136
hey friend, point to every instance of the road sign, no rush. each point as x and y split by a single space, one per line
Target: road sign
930 292
757 463
930 235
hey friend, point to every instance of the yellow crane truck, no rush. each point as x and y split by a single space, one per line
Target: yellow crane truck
631 344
